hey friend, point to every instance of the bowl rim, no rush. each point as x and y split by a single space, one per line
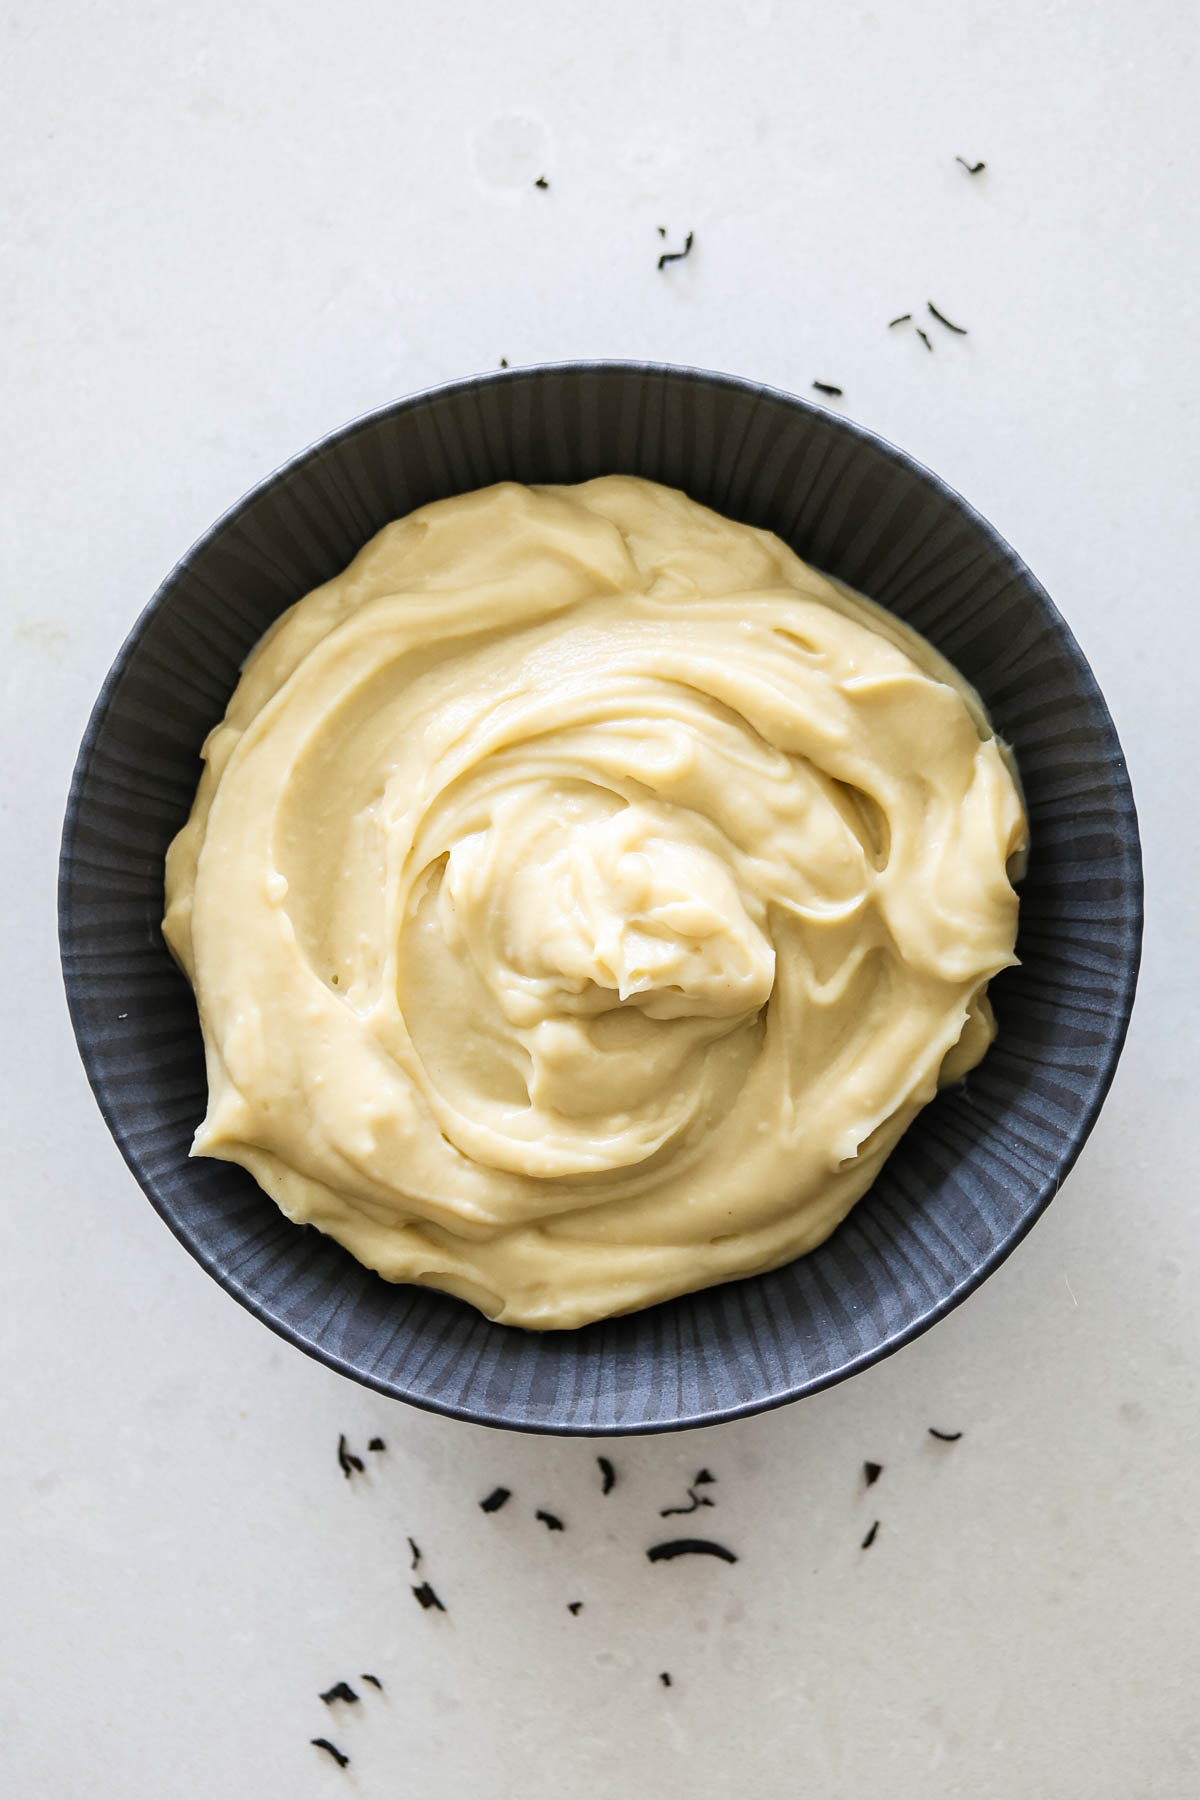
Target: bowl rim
1089 688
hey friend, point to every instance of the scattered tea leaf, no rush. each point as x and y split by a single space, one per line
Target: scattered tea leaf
872 1471
427 1597
550 1520
871 1535
339 1756
495 1500
689 1547
696 1501
608 1473
943 320
341 1690
670 256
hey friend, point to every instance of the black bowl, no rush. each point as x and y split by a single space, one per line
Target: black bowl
979 1165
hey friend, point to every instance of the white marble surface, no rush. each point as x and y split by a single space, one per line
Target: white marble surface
224 230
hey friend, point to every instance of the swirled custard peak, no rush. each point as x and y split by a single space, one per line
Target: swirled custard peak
581 897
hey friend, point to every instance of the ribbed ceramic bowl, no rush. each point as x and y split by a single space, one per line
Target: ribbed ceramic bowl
972 1174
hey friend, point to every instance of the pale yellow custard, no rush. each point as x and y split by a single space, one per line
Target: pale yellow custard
581 897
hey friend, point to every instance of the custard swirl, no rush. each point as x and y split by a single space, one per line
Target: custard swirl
581 897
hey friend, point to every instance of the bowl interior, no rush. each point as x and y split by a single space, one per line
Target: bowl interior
970 1176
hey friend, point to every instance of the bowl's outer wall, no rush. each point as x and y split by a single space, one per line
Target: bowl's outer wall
971 1175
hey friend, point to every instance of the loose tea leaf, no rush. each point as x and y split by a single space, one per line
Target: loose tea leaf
550 1520
872 1471
347 1459
609 1474
870 1537
689 1547
943 320
670 256
341 1690
495 1500
945 1437
427 1597
339 1756
697 1500
971 168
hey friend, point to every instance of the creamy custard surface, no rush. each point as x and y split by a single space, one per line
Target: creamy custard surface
581 897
